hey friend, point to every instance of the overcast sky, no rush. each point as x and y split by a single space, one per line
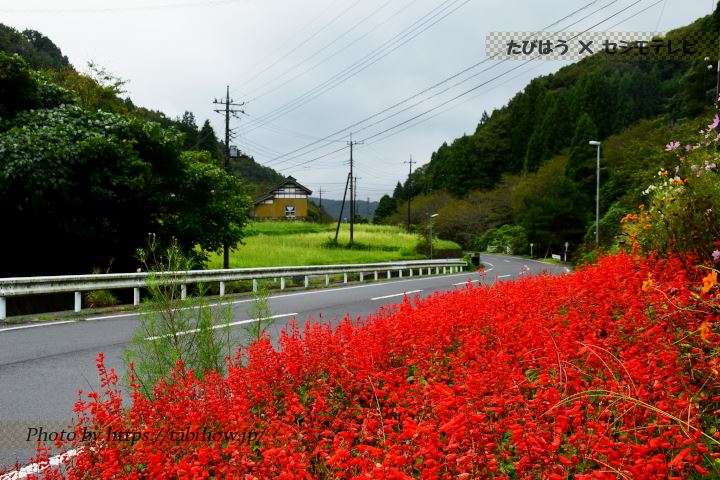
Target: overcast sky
310 69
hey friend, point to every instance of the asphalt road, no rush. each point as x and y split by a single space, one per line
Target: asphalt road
43 365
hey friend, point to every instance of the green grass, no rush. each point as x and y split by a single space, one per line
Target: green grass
270 244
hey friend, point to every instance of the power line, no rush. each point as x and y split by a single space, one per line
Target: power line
165 6
466 92
325 47
484 92
432 87
394 127
287 54
368 60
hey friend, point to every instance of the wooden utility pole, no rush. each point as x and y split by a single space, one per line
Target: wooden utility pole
407 191
342 207
352 201
355 200
228 103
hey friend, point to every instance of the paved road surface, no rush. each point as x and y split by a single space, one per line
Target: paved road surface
42 366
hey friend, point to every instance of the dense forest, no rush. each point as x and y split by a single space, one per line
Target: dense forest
86 175
528 165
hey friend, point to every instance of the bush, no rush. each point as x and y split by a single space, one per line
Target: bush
682 212
100 299
188 333
509 236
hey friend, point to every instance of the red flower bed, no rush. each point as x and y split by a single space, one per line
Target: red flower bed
605 373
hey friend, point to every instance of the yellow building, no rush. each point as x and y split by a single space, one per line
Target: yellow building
288 200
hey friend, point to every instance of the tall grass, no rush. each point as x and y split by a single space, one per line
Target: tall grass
271 244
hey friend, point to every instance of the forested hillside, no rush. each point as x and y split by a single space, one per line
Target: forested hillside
529 163
86 175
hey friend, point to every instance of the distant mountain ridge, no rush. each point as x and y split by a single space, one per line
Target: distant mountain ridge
365 209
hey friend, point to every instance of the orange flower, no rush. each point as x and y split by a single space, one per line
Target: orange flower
705 330
647 285
709 281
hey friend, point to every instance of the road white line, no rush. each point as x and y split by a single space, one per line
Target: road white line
36 468
119 315
465 283
506 261
22 327
215 327
504 276
396 295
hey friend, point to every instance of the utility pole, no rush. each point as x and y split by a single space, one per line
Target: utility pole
320 199
408 190
352 201
342 207
228 103
355 199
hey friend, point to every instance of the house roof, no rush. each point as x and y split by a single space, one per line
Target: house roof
288 181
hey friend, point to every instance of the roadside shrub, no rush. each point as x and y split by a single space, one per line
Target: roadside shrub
176 334
509 236
100 299
682 212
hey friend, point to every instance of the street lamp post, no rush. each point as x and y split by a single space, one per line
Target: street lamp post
431 235
597 192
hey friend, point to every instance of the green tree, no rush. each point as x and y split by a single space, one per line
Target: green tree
81 188
38 50
188 126
97 90
386 207
582 161
208 141
23 89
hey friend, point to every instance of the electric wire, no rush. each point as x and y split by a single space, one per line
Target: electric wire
405 36
432 87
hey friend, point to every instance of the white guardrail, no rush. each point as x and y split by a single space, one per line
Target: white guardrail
19 286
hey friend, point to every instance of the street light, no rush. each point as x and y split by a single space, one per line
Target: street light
597 192
431 235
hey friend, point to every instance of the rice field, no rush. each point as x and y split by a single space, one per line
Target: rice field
269 244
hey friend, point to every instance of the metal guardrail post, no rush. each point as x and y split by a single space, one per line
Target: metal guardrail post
400 273
376 276
255 285
307 281
282 283
362 276
327 279
183 292
345 277
388 274
222 289
136 296
78 301
3 308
